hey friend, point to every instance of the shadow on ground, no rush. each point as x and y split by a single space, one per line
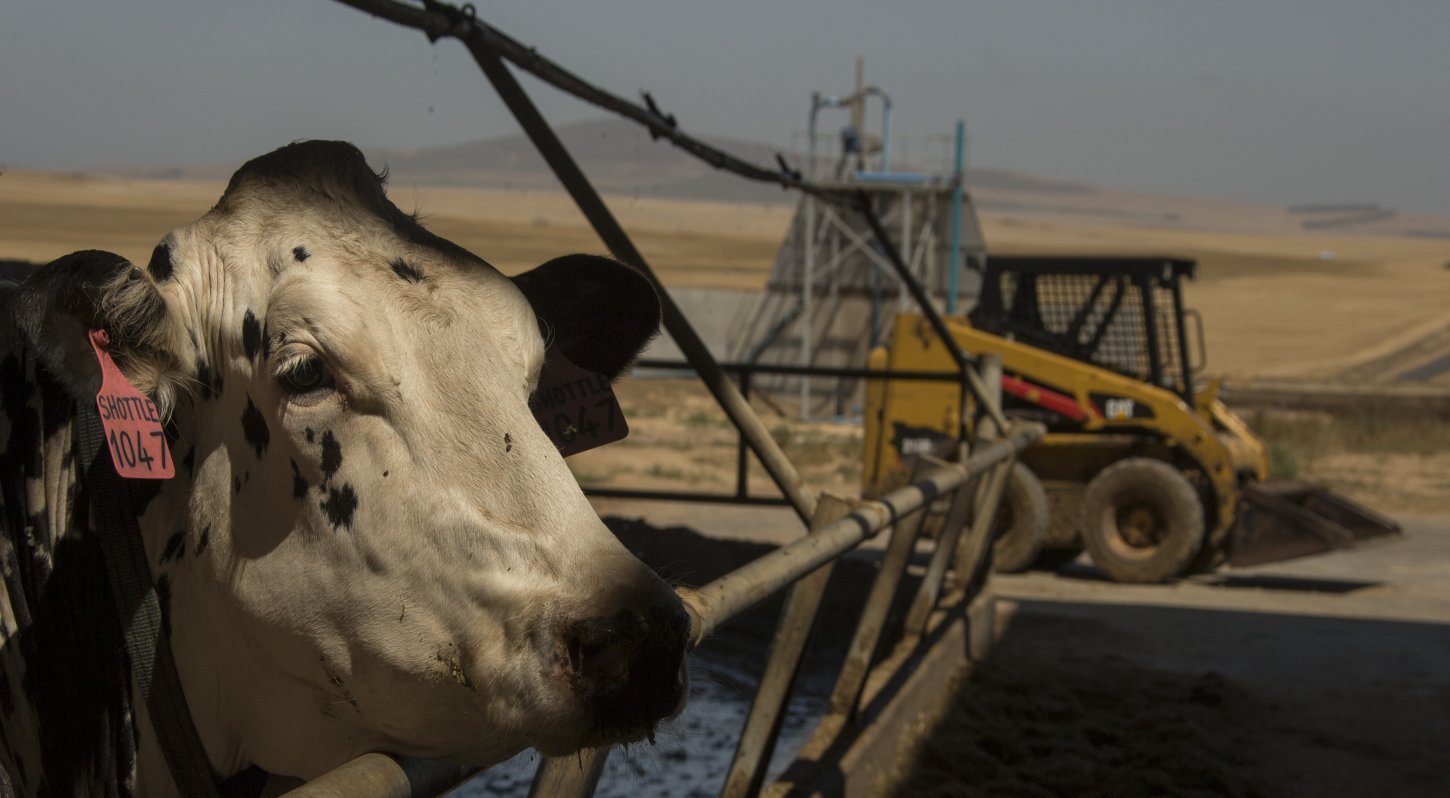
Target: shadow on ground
1101 699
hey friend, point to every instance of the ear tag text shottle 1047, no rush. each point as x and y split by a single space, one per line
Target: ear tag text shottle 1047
131 421
576 407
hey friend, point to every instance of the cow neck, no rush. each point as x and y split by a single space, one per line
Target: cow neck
114 514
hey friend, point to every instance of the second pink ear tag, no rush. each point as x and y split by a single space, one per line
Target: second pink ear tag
576 407
131 421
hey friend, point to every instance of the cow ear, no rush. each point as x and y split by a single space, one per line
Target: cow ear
57 306
598 312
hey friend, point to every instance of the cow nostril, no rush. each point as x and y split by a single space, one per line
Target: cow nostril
627 669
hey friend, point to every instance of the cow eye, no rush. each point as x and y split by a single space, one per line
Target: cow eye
305 375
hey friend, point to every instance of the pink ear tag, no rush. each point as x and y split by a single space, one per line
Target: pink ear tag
576 407
132 424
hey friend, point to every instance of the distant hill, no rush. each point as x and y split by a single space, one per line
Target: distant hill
618 156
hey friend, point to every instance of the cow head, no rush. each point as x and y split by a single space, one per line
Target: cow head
370 544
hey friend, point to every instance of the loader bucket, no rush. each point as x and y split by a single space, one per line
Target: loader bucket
1281 519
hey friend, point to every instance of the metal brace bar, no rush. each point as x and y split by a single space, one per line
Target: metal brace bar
878 603
941 557
775 462
989 497
762 725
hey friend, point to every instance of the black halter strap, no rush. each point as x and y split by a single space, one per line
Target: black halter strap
114 522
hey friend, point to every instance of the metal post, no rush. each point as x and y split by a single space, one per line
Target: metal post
905 244
786 478
1150 322
762 726
989 366
742 452
989 496
959 358
958 195
941 557
873 616
569 776
808 275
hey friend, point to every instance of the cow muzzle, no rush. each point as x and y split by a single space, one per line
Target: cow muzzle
626 670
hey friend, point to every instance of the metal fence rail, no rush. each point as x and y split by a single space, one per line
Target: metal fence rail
839 527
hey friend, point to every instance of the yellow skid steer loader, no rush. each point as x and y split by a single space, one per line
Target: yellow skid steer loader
1152 473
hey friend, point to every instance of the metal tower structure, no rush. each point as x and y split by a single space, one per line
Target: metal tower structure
832 293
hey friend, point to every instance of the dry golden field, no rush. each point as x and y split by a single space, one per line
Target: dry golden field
1273 301
1276 301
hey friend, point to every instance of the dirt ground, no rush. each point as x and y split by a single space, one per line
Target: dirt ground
1328 676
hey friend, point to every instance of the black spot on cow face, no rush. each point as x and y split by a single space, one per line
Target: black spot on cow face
406 271
299 483
175 546
311 435
508 442
254 428
266 343
300 254
205 377
203 540
339 506
163 597
331 456
160 265
251 334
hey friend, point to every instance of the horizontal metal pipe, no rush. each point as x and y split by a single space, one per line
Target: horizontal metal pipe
814 371
687 496
382 776
712 605
385 776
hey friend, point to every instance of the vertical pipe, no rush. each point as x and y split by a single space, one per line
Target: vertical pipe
902 300
767 710
1182 329
885 133
852 677
941 557
1144 282
742 453
958 195
808 275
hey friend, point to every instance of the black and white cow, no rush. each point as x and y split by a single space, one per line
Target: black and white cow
369 543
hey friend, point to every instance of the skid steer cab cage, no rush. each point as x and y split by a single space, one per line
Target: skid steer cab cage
1119 313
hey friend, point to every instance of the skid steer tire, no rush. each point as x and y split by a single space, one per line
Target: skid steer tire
1142 521
1020 528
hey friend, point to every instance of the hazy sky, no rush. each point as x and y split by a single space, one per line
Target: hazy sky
1278 101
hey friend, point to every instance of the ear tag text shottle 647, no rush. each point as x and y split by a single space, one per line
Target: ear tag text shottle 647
131 421
576 407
